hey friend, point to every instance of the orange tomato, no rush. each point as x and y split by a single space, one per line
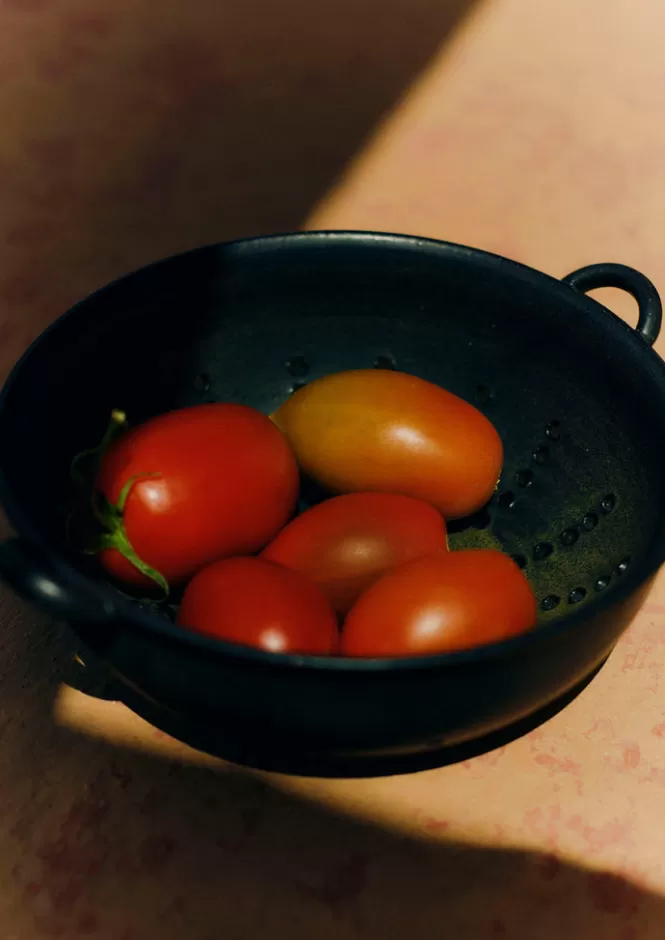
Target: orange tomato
440 604
374 430
347 543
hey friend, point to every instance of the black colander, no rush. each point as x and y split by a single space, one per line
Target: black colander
577 396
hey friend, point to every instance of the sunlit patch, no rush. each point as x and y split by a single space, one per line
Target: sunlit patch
156 494
114 722
358 549
409 436
273 640
429 624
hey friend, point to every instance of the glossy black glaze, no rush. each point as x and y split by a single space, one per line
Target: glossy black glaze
93 678
625 278
577 396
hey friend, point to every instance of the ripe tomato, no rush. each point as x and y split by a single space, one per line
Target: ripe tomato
201 483
347 543
382 431
439 604
251 601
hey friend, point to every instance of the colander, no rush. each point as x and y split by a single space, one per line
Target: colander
577 395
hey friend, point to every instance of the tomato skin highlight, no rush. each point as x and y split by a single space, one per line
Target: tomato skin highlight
211 481
345 544
383 431
441 604
261 604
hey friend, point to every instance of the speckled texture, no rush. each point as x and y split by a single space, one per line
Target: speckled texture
537 132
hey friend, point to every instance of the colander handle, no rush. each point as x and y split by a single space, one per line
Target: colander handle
32 578
630 280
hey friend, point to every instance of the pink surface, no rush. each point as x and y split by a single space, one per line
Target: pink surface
537 132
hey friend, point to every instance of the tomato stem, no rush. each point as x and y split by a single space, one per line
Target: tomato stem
85 479
107 514
120 542
110 516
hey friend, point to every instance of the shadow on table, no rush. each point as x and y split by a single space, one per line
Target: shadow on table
155 133
100 837
222 120
294 90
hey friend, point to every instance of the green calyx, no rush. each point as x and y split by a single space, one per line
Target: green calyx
110 516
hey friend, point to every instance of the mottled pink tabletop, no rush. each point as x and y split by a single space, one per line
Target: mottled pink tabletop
131 130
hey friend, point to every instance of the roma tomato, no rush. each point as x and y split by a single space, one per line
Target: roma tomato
257 603
346 543
441 604
383 431
190 487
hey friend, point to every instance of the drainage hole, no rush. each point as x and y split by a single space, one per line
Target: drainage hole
506 500
550 602
608 503
569 536
297 366
542 550
576 595
590 521
384 362
623 565
524 478
553 430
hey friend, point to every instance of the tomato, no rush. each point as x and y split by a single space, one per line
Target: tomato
201 483
258 603
383 431
440 604
347 543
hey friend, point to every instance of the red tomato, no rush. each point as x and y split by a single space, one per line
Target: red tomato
388 432
347 543
208 482
439 604
257 603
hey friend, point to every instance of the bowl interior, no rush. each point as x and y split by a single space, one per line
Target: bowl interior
576 398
